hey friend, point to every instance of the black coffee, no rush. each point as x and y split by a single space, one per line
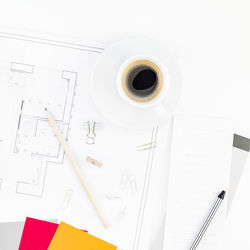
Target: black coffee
142 81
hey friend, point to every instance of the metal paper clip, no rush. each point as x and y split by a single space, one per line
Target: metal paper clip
147 146
128 180
111 196
67 198
90 139
124 179
122 212
133 185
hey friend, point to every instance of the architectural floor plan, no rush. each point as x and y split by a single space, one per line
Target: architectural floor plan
34 136
36 179
28 85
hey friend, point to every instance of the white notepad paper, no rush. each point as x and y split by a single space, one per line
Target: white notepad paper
237 236
199 171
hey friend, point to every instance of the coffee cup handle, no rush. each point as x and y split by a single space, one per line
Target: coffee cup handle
160 110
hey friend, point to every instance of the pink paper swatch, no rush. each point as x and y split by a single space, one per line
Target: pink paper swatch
37 234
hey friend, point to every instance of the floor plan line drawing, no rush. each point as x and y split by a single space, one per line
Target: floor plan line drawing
34 137
51 42
22 68
146 184
36 73
42 181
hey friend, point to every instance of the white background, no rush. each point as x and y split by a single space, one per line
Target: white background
211 40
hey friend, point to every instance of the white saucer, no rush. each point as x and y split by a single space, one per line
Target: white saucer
104 84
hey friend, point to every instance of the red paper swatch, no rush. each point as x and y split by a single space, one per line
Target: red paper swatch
37 234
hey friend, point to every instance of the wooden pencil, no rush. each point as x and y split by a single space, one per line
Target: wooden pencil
75 166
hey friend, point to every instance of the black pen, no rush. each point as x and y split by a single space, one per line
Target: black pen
208 220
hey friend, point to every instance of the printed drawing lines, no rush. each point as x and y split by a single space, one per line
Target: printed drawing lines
34 137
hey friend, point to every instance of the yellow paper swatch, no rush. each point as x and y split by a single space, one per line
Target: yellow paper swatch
71 238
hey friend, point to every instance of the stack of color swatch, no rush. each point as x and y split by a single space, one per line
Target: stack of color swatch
43 235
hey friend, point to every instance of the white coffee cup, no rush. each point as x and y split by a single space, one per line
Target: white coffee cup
108 92
158 95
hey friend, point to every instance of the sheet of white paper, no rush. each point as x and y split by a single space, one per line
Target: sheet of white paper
36 179
237 236
239 158
199 170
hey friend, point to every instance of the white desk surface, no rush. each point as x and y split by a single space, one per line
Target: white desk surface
210 39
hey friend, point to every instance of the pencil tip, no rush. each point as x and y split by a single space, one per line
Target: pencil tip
45 109
222 195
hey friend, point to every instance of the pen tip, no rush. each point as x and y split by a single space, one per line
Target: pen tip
222 195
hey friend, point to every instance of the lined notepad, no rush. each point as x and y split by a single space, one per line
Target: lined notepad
237 236
199 170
